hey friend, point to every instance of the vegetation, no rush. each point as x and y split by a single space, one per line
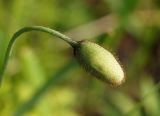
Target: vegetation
44 79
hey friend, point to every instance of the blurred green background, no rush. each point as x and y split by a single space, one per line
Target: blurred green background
44 79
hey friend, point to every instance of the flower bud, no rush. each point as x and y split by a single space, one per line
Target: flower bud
99 62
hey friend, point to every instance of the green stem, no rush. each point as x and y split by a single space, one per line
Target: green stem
27 29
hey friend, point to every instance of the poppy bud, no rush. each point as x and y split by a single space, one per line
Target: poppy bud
99 62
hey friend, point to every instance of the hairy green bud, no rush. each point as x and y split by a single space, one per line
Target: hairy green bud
99 62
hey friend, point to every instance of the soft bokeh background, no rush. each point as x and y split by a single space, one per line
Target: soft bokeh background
44 79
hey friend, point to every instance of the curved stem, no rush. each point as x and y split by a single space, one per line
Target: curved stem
27 29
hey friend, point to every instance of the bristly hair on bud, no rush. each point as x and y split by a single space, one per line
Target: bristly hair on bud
99 62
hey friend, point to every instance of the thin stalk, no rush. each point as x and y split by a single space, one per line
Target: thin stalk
27 29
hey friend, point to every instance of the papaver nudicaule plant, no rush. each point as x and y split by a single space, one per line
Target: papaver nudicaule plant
96 60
